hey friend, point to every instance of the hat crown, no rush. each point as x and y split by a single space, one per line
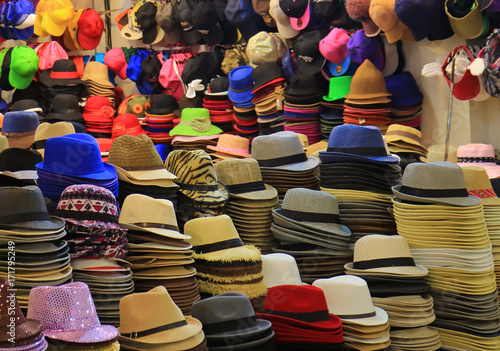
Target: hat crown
276 145
25 104
367 82
476 178
132 152
346 295
20 122
382 13
280 269
476 150
334 46
95 70
353 136
129 120
188 166
241 78
233 142
209 230
24 62
377 246
51 130
162 104
296 299
17 159
25 202
65 103
63 65
90 23
435 175
307 200
238 171
138 208
403 89
66 307
96 102
190 113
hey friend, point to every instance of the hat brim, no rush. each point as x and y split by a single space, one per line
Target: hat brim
381 317
154 174
173 234
337 157
330 325
246 333
241 97
312 162
185 344
332 228
188 131
98 334
455 201
267 194
53 224
313 67
217 196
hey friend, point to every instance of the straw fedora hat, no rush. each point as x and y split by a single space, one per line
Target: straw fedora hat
152 318
229 146
196 174
385 254
280 269
50 130
146 214
436 153
399 132
216 239
479 185
243 179
138 158
439 182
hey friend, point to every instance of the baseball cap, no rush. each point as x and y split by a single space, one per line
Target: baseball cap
146 20
205 20
23 66
241 14
90 28
21 16
334 46
184 16
294 8
282 20
303 21
59 13
307 50
115 60
382 13
165 17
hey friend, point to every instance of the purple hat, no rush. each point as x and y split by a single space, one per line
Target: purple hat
361 48
404 90
425 18
67 312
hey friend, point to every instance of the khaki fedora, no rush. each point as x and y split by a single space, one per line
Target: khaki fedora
479 185
50 130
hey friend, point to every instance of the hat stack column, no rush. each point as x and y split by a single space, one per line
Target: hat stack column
447 233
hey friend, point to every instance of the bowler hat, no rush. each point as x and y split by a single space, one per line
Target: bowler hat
65 108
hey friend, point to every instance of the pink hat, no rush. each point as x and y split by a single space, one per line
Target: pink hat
301 22
52 52
480 155
115 60
334 46
67 312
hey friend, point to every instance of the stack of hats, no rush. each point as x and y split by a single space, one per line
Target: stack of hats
434 212
230 146
98 115
368 100
159 117
200 194
194 130
310 218
18 166
158 253
126 124
268 90
97 79
26 332
73 159
398 286
68 317
229 321
333 104
480 155
65 108
406 142
223 263
143 320
283 162
290 307
19 127
41 257
365 327
406 99
250 201
302 106
240 93
218 104
61 78
478 185
140 169
50 130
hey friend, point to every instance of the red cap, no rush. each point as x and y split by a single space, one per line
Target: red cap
98 108
115 60
90 28
127 124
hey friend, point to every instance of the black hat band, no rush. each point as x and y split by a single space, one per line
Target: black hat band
311 216
218 246
385 262
362 151
434 192
282 161
246 187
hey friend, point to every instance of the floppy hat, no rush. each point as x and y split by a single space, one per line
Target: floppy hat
195 122
126 124
50 130
439 182
390 254
349 298
282 150
196 174
146 214
280 269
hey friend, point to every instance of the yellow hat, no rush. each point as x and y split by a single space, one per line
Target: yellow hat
57 16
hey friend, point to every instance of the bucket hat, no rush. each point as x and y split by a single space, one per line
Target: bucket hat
76 155
357 144
282 150
126 124
65 107
137 157
280 269
230 146
349 298
384 254
368 83
440 182
243 179
195 122
50 130
196 174
146 214
67 312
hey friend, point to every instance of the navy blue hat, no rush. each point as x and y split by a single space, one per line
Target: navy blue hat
240 13
20 13
20 122
403 89
357 144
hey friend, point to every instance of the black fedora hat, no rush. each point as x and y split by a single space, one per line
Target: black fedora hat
65 108
63 72
19 163
162 104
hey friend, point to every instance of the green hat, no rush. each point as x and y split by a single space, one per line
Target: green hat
195 122
339 88
3 52
23 66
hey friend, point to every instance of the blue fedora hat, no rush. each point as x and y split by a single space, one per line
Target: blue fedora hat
20 122
241 84
76 155
357 144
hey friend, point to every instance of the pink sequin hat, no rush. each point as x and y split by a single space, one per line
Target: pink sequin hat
67 312
480 155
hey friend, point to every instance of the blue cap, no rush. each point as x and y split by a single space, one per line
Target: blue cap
290 64
5 31
134 65
20 122
17 14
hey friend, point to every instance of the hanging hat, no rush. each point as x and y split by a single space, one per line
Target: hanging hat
23 66
116 61
58 14
383 15
52 52
90 29
361 47
282 20
165 17
196 174
70 39
307 49
439 182
50 130
359 10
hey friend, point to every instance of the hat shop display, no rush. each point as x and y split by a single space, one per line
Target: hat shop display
453 244
309 220
250 202
290 309
406 99
158 252
73 159
18 166
283 162
159 117
140 169
229 319
42 256
216 101
398 286
26 333
223 263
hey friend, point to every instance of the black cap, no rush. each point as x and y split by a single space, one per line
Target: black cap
219 85
204 66
266 72
205 20
294 8
184 16
4 77
306 48
162 104
150 69
145 17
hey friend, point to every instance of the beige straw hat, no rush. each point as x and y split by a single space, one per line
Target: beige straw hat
50 130
479 185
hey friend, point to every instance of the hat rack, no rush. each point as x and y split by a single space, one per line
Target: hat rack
450 109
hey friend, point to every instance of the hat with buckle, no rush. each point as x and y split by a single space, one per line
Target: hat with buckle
195 122
439 182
